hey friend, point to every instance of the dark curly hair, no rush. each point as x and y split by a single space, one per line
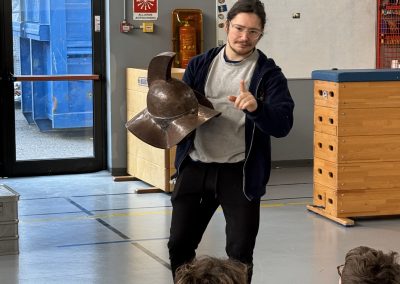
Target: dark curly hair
248 6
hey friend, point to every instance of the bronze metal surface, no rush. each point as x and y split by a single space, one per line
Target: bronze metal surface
173 111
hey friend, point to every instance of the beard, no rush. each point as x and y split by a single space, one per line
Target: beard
246 47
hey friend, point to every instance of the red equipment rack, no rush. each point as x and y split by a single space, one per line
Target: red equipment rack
388 40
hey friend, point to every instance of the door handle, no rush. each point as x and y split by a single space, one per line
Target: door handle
10 78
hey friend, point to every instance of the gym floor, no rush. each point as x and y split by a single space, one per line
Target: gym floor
87 228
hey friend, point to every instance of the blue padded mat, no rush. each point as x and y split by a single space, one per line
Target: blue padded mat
356 75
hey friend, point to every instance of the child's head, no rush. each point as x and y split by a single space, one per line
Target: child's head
212 270
364 265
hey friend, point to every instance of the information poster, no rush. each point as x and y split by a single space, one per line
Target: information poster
144 10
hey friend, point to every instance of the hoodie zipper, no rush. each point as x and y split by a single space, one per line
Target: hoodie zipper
245 161
251 144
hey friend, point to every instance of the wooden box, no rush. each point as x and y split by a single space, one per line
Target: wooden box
356 143
9 245
358 148
351 176
8 221
364 94
357 203
9 229
150 164
350 122
8 204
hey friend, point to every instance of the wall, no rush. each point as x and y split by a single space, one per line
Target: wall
297 147
329 34
325 34
136 49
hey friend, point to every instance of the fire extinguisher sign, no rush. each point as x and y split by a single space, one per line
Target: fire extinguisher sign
145 9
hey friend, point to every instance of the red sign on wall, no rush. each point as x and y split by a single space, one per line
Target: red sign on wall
145 9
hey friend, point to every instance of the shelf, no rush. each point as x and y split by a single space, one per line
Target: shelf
391 7
390 39
388 33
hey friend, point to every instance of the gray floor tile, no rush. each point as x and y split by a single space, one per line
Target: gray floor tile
89 229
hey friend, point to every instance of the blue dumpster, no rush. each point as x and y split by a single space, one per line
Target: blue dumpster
55 39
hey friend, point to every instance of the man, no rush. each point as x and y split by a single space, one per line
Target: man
226 161
367 265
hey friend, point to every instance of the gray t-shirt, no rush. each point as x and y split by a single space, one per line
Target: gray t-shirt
222 139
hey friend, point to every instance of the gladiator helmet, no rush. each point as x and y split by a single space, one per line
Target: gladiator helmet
173 108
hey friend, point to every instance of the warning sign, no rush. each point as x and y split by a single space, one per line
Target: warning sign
145 9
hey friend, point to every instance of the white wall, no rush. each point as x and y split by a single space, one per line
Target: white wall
328 34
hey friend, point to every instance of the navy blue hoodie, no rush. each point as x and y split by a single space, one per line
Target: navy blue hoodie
273 117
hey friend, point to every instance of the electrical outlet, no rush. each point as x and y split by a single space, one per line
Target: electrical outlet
125 27
296 15
147 27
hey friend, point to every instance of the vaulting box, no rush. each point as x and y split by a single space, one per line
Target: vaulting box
356 143
150 164
359 148
357 203
357 121
338 92
352 176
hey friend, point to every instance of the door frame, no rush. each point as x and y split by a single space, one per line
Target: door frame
9 166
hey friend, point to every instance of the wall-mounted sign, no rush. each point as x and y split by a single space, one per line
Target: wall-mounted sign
145 10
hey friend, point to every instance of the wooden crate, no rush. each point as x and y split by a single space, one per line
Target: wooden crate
150 164
353 176
362 121
357 203
8 204
356 144
344 95
359 148
8 221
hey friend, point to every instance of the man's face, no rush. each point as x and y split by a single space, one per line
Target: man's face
244 31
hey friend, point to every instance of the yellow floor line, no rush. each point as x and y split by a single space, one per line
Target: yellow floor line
133 214
271 205
96 216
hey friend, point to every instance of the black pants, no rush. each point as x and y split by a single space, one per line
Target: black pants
199 190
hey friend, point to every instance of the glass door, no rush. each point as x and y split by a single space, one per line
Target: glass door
52 105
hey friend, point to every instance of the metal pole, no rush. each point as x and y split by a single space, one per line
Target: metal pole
124 9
